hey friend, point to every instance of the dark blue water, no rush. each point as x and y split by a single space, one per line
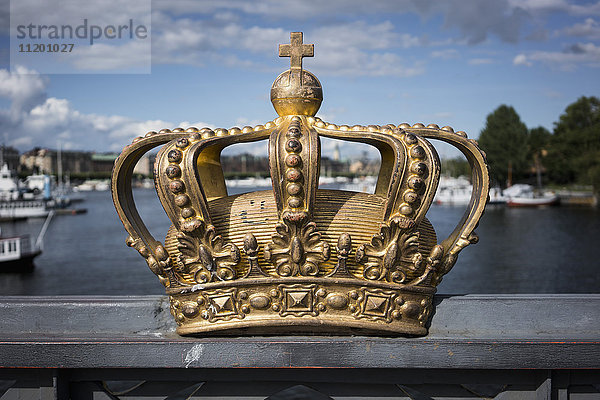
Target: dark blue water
548 250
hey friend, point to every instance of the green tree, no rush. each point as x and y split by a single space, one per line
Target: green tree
574 153
504 139
456 167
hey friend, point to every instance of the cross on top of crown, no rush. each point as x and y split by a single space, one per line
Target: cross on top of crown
296 50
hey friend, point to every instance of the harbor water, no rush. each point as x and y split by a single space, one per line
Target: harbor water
545 250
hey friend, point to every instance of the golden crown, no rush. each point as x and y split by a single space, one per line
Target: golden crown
299 258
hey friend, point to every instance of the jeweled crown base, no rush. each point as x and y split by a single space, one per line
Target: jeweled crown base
301 305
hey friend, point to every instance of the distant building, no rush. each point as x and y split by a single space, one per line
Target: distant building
46 161
10 157
244 164
336 153
103 162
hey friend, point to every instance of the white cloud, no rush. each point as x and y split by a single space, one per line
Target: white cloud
589 29
34 120
569 59
359 48
521 59
445 54
102 57
25 87
480 61
546 6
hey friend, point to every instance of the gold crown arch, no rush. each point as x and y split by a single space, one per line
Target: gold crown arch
299 258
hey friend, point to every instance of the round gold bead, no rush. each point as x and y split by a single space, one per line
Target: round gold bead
418 125
176 186
332 126
190 310
344 128
178 130
294 189
404 125
247 129
410 138
164 131
182 200
269 125
418 168
295 202
235 131
320 124
174 156
221 132
417 152
414 182
192 129
173 171
406 210
187 212
293 160
151 133
447 129
259 128
410 196
462 133
293 175
433 126
182 142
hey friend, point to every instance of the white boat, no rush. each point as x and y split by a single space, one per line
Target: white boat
9 189
364 184
93 184
497 196
20 209
453 191
17 252
522 195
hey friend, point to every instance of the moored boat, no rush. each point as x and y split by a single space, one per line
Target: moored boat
522 195
453 191
17 253
20 209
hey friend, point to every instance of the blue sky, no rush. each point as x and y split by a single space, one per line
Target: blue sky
383 61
